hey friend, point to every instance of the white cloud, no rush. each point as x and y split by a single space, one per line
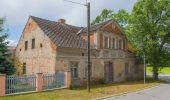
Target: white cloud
18 11
12 43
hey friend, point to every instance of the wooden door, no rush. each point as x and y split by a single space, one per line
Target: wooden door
108 71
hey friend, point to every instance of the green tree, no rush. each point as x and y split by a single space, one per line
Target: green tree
150 30
104 16
6 66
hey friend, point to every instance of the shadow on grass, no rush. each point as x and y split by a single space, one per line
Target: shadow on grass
148 80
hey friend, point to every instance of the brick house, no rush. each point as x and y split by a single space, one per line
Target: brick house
50 46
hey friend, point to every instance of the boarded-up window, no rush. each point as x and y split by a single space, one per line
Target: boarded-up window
101 40
113 43
26 45
136 68
33 43
74 69
126 68
24 68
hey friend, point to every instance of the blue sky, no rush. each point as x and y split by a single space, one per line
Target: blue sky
17 12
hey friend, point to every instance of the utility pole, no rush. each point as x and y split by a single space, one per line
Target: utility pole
144 68
88 41
88 51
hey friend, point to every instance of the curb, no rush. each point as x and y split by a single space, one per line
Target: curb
152 86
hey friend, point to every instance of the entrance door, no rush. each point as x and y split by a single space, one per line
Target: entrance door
108 66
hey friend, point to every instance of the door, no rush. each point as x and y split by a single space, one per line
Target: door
108 66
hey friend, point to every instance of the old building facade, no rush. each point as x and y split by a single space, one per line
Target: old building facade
48 46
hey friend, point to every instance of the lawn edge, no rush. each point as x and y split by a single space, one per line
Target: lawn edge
105 97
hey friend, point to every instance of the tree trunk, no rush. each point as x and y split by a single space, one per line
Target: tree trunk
155 72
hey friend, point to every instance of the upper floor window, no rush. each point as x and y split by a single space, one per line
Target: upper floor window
26 45
113 43
120 44
33 43
106 42
74 69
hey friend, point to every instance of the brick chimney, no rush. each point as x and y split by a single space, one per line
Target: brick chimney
63 21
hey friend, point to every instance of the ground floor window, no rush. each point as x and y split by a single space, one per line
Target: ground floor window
74 69
126 68
136 68
24 68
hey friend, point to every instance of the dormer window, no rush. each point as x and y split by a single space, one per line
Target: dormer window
106 42
120 44
113 43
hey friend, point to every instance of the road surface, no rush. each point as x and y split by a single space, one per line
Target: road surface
161 92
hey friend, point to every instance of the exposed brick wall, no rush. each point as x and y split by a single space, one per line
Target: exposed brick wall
41 58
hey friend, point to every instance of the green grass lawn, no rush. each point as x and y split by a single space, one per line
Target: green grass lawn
82 94
165 70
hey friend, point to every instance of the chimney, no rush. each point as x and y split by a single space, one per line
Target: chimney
63 21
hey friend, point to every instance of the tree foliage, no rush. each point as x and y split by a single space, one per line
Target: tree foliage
148 28
6 66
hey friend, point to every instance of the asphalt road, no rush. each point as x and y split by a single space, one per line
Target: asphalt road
161 92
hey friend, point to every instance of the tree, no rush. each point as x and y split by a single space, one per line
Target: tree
147 27
6 66
104 16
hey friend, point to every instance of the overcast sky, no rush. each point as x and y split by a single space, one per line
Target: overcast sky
17 12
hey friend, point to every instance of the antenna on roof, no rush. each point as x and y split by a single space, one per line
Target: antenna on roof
79 32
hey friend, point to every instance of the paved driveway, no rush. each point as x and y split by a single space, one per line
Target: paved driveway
161 92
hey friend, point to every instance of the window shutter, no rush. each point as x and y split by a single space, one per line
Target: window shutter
101 40
110 40
124 43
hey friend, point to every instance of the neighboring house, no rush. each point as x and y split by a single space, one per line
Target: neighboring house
50 46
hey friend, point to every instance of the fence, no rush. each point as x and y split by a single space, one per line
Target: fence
51 81
17 84
36 83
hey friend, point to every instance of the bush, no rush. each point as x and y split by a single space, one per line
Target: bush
101 81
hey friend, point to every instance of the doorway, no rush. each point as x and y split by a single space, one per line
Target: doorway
108 67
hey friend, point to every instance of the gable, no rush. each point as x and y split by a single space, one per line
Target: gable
112 27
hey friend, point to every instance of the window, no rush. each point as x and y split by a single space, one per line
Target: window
113 43
24 68
136 68
41 45
120 44
85 71
126 68
26 45
106 42
82 54
33 43
74 69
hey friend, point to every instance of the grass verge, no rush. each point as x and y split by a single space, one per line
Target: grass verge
82 94
165 70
